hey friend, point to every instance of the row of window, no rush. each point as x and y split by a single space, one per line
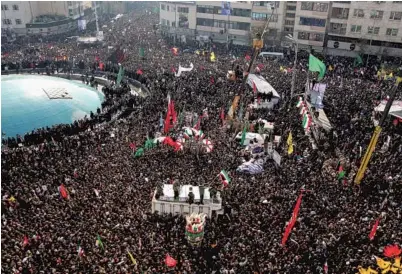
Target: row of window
266 3
9 22
223 24
264 17
218 10
311 21
315 6
378 14
374 30
5 7
312 36
179 9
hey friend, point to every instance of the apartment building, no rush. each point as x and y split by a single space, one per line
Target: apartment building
373 28
40 17
336 27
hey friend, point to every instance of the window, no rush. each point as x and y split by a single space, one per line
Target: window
205 22
376 14
241 12
358 13
310 21
291 8
167 7
4 7
15 7
264 17
373 30
315 6
163 22
310 36
208 9
356 29
174 24
340 13
183 10
6 21
288 29
167 23
220 24
163 7
391 32
266 3
337 28
289 22
18 21
290 15
395 15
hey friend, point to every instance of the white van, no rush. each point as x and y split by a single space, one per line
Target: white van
271 54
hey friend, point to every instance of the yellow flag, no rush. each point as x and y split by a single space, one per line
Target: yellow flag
330 68
132 258
391 75
367 271
398 79
281 68
11 199
213 58
290 143
384 265
197 52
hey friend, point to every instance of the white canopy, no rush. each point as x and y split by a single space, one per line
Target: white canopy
262 85
395 110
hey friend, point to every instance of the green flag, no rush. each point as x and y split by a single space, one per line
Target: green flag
243 135
120 75
314 64
149 143
139 152
142 52
99 241
358 61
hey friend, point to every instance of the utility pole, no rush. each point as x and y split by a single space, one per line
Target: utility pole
256 47
374 138
96 19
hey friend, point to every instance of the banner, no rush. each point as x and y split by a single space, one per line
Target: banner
317 94
182 69
233 108
225 8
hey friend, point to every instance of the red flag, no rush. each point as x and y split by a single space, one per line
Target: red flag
166 127
170 262
374 229
139 72
326 267
173 69
254 87
175 51
292 221
248 58
132 146
260 66
25 242
97 59
392 251
63 191
101 66
173 112
259 100
212 80
223 116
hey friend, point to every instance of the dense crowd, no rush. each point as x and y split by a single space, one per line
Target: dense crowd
110 190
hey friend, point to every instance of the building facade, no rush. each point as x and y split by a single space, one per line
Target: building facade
336 27
40 17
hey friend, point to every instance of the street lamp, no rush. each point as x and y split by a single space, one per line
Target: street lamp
294 42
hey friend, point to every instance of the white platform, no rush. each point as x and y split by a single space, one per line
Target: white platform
166 204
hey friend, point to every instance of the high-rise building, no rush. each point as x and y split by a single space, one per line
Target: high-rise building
40 17
336 27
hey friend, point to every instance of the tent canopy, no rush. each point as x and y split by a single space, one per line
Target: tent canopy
262 85
395 110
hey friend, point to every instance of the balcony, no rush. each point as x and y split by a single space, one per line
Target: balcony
337 29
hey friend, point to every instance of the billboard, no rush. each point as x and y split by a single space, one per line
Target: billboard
225 8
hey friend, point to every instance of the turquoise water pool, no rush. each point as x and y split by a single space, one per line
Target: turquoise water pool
25 106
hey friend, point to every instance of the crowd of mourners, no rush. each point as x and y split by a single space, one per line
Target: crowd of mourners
110 190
